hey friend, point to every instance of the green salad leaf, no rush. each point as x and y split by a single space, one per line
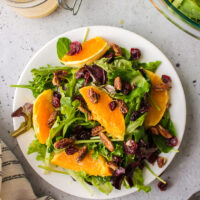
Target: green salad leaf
63 46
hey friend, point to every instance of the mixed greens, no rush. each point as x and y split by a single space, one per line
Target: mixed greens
72 126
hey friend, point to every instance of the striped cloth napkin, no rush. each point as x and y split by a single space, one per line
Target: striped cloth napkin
13 182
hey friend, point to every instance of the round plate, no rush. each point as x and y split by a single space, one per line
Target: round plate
47 55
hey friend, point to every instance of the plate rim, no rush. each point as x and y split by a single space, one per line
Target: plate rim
114 29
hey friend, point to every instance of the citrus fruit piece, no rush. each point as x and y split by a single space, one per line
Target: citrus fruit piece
112 121
42 109
161 99
91 51
95 167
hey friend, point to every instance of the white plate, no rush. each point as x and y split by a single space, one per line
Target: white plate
48 55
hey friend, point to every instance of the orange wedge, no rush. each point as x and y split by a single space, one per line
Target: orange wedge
161 98
112 121
95 167
42 109
91 51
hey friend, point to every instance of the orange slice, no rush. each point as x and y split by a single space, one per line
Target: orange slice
42 109
91 51
95 167
112 121
161 98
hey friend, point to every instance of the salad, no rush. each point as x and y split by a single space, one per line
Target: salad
101 117
190 8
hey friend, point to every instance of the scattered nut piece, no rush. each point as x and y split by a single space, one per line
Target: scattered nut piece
118 83
122 106
161 161
112 165
116 49
84 110
82 154
106 141
59 76
161 87
63 143
52 119
165 133
93 96
97 129
154 130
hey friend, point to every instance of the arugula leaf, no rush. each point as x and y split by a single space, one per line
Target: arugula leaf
126 53
139 180
133 125
101 183
151 66
42 79
63 46
40 149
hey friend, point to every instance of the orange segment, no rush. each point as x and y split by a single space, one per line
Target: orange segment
95 167
161 98
112 121
91 51
42 109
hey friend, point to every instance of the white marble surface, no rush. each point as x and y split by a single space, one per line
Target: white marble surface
20 38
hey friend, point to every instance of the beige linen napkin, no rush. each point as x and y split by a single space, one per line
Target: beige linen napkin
13 182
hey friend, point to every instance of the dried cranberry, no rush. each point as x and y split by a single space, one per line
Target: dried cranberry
75 48
162 186
56 102
112 105
172 142
135 53
166 79
143 72
153 157
144 107
126 88
134 115
130 147
71 150
111 56
82 133
87 78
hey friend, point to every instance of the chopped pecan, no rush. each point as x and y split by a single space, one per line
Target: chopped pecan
97 129
59 76
93 96
82 154
122 106
106 141
165 133
116 49
154 130
63 143
84 110
112 165
161 161
52 119
118 83
161 87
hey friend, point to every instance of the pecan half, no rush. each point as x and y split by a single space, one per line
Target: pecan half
161 87
97 129
118 83
82 154
112 165
161 161
85 110
52 119
116 49
106 141
165 133
122 106
63 143
154 130
93 96
59 76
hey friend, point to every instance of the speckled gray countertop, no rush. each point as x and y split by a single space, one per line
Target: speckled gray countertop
20 38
